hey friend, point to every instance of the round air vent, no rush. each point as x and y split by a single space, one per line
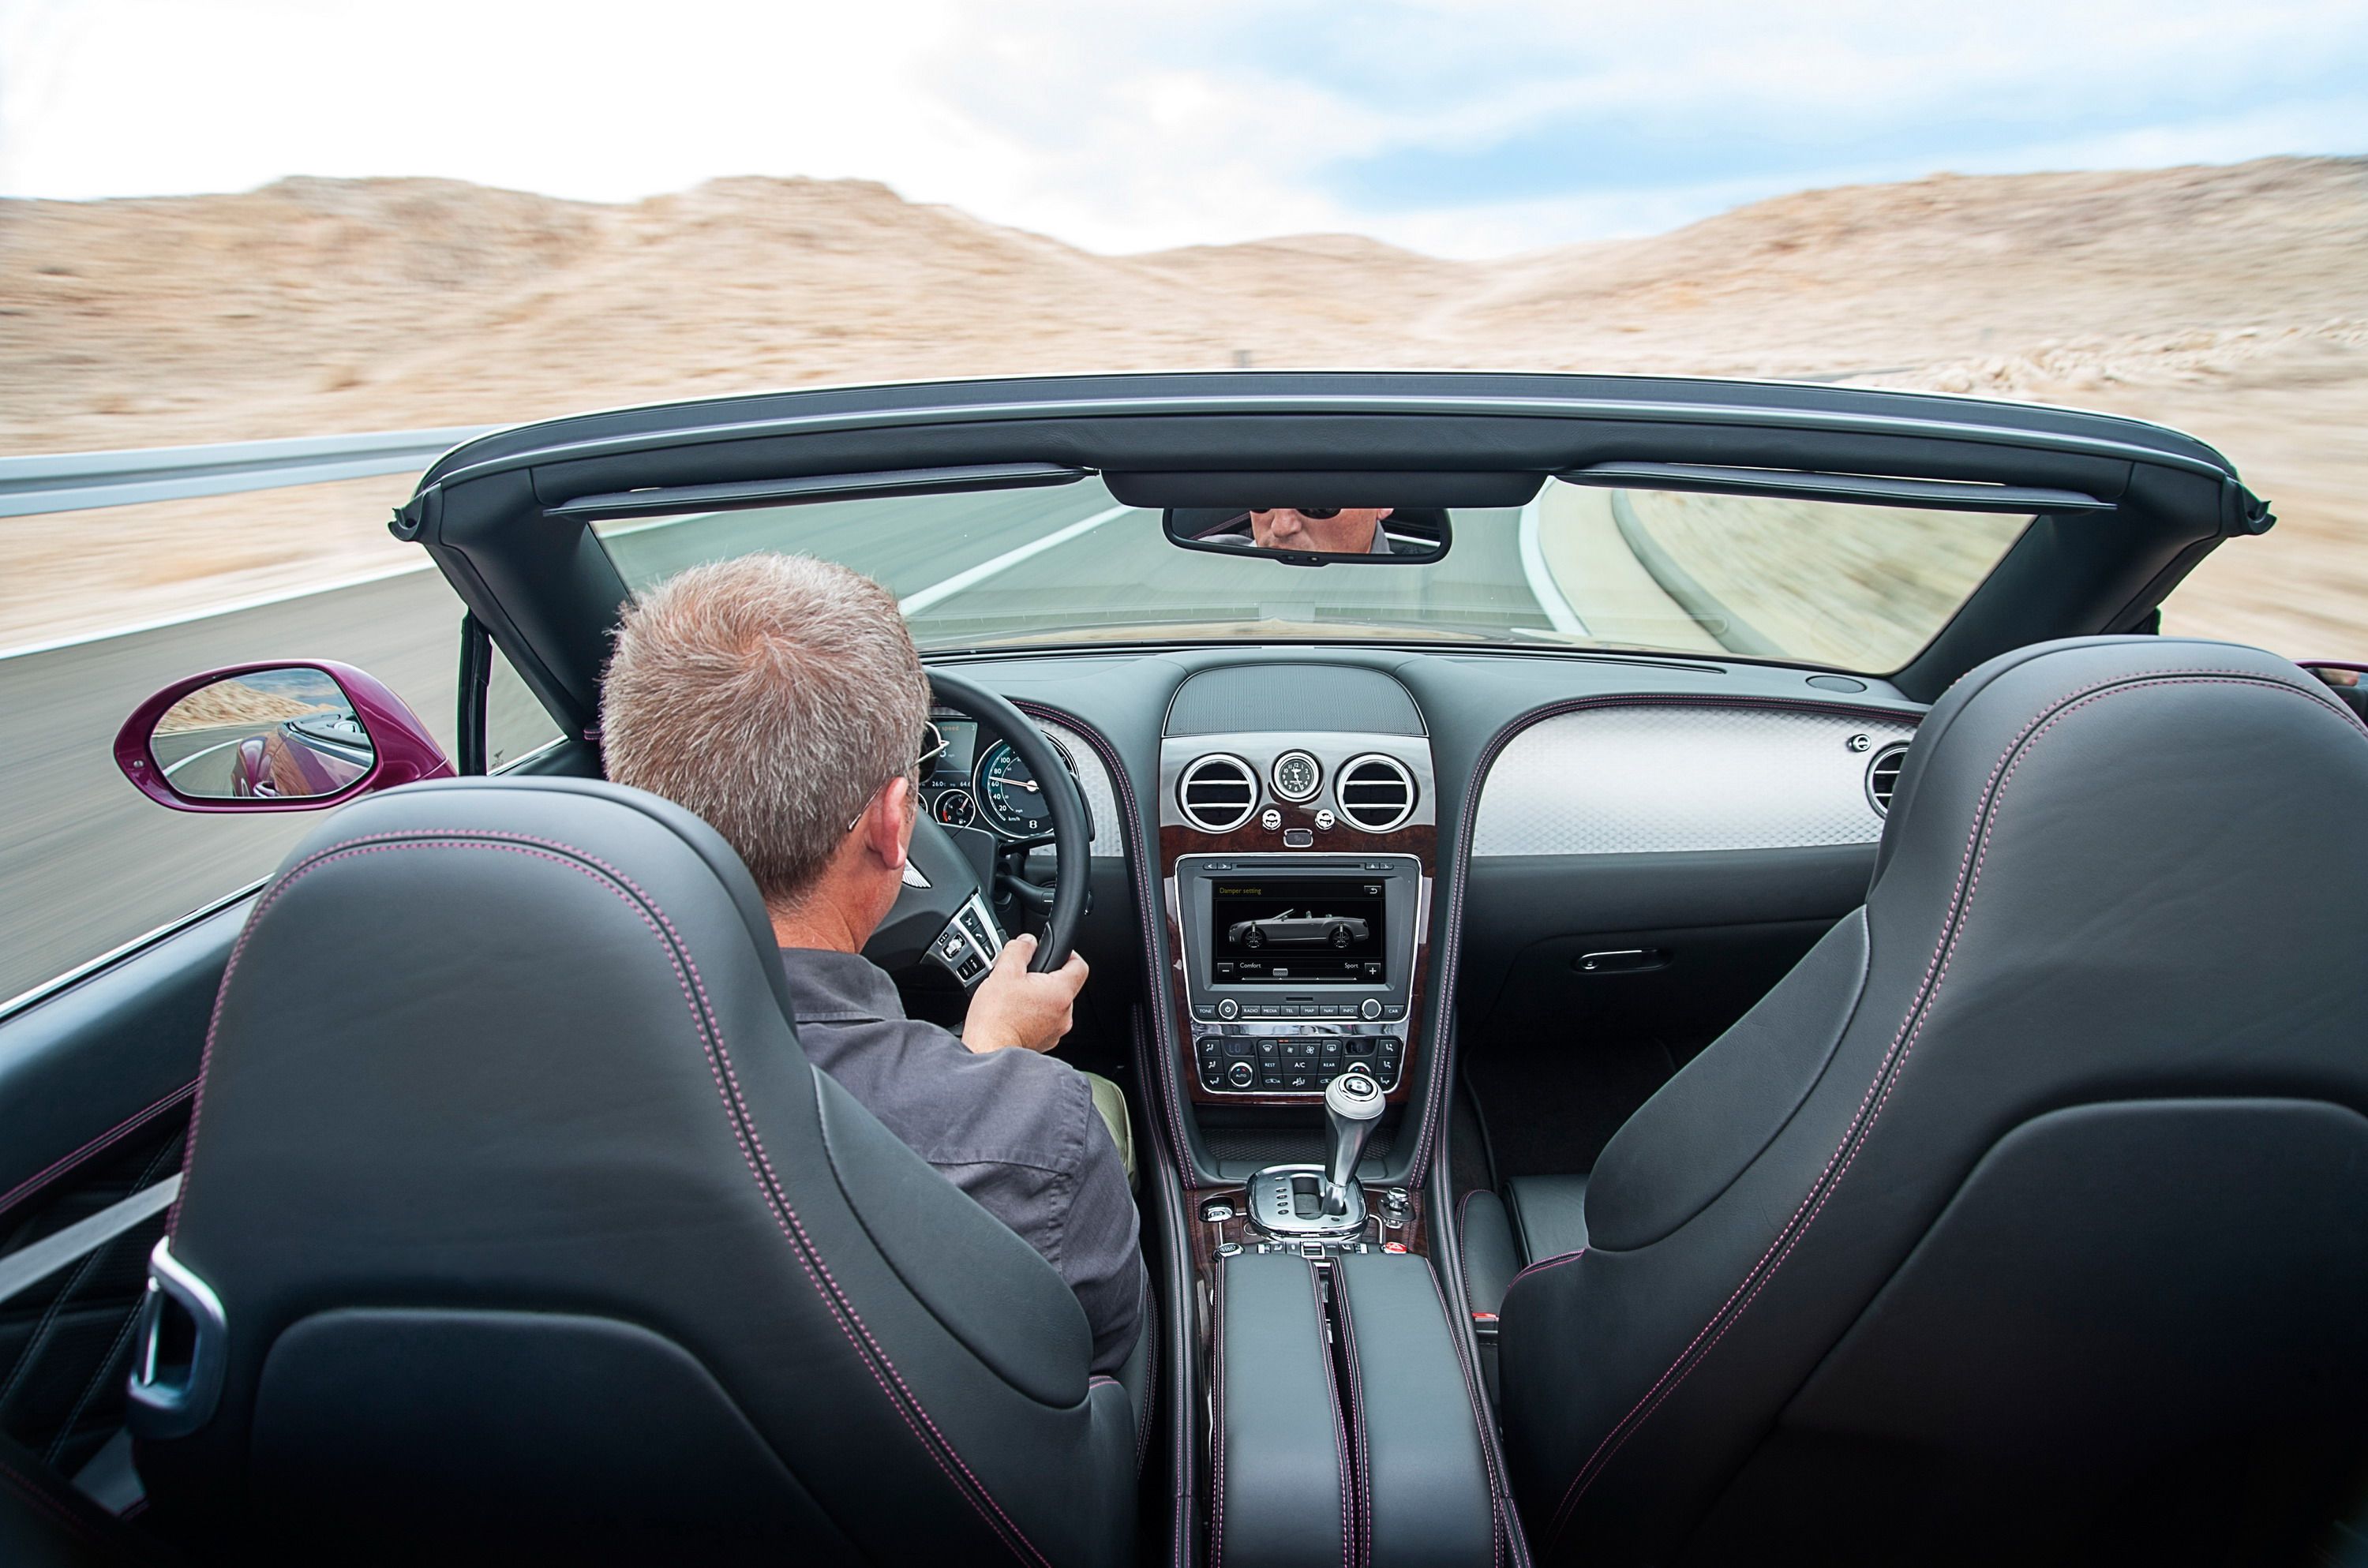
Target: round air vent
1217 792
1882 774
1374 792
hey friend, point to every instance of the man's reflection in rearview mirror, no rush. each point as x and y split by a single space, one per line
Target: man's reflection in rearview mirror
1328 530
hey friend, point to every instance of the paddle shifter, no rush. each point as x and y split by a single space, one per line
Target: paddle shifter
1352 1106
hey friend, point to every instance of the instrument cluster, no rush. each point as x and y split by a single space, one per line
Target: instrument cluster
975 779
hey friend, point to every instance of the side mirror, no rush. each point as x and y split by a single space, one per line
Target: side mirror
1314 536
274 738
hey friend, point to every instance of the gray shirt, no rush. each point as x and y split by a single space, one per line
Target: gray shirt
1016 1130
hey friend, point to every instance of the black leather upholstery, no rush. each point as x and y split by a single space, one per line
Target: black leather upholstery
45 1523
1549 1215
1358 1442
1427 1491
1545 1220
1285 1490
534 1228
1491 1253
2026 1218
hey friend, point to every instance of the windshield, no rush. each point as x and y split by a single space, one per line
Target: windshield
1854 588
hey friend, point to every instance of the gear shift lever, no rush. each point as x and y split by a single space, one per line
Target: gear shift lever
1352 1105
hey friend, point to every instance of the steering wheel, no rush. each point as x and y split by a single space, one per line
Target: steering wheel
942 916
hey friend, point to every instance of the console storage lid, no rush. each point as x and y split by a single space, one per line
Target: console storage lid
1347 1430
1423 1468
1280 1475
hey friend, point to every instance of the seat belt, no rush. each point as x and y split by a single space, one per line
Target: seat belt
28 1265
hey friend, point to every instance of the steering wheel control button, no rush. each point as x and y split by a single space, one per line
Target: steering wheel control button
1369 1008
1228 1009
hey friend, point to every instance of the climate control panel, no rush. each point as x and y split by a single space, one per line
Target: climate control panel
1291 1059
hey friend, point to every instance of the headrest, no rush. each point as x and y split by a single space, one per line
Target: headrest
2132 753
2231 713
644 839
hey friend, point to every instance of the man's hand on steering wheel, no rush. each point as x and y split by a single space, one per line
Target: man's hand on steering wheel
1014 1007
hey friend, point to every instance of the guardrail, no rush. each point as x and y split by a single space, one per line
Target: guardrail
75 481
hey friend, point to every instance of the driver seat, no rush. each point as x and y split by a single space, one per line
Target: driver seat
516 1223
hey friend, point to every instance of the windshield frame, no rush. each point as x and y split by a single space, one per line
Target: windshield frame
484 511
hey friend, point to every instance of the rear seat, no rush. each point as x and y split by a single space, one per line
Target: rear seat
1545 1219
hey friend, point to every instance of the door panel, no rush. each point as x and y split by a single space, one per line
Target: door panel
96 1080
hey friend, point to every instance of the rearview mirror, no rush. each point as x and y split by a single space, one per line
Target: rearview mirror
1313 535
274 738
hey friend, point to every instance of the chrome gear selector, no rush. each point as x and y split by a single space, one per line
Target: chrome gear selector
1352 1107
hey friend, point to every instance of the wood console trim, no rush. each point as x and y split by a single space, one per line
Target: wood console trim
1207 1236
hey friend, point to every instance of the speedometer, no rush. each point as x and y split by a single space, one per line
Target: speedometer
1010 795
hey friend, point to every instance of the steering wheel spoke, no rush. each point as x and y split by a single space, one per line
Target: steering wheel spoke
965 948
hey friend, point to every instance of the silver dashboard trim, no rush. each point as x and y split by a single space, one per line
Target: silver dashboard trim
1651 778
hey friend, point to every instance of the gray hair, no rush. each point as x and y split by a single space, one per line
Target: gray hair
772 695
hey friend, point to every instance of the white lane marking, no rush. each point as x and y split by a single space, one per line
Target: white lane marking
1543 587
913 603
172 769
182 618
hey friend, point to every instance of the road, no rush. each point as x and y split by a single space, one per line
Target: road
90 864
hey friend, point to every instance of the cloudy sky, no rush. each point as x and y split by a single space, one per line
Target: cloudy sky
1460 127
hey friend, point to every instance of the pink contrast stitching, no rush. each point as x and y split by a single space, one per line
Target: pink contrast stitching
1339 1432
1143 882
1451 947
1542 1266
64 1163
1854 1137
1217 1422
1499 1495
702 1011
1361 1448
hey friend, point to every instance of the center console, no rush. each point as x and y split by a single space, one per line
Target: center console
1298 855
1297 967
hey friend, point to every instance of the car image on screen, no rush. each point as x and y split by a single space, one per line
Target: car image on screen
1294 930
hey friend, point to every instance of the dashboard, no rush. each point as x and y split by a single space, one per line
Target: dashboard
1311 859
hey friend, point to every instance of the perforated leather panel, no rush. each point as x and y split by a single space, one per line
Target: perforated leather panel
1650 779
1093 780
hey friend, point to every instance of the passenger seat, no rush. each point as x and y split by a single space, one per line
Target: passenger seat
1547 1218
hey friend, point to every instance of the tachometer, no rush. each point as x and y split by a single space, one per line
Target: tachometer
1010 796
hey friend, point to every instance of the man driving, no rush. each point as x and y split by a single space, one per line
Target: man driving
779 697
1332 530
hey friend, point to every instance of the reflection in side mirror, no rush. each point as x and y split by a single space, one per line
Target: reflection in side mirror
273 737
1311 535
277 734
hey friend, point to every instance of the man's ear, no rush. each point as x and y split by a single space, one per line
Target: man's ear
888 821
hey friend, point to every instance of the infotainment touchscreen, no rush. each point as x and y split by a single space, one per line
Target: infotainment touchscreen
1297 930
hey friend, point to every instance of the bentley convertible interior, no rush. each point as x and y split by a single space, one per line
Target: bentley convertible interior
1696 979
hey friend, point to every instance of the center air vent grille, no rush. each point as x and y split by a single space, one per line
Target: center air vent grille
1883 775
1217 793
1374 792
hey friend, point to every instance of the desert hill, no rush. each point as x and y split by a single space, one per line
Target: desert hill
2232 300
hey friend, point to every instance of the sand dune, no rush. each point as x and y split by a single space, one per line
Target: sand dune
2231 301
